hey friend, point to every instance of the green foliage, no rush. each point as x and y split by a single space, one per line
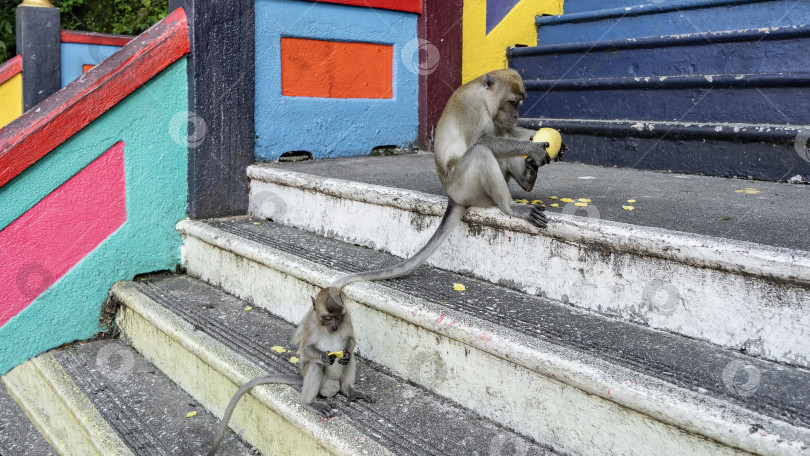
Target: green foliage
124 17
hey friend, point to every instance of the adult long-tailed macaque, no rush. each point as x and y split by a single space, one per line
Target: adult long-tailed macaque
478 148
323 332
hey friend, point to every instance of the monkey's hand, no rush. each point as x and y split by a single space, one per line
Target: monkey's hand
355 395
563 148
327 359
344 360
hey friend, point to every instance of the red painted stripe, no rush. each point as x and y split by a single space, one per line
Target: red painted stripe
72 36
29 137
59 231
332 69
11 68
411 6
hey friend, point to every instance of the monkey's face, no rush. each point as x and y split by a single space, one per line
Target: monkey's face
331 321
507 114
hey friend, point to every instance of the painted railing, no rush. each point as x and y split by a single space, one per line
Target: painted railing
92 182
10 90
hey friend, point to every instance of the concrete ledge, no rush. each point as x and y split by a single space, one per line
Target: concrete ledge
59 409
734 294
556 395
212 373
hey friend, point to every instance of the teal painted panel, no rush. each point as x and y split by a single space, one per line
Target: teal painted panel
151 122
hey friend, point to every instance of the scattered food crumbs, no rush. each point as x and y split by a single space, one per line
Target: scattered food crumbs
748 191
726 218
552 197
581 204
248 308
628 208
631 201
555 205
459 287
191 414
566 200
279 349
584 200
256 223
537 202
293 360
522 201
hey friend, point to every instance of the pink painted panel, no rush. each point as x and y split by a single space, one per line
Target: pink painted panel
53 236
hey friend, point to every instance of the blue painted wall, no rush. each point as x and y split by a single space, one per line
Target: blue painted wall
74 55
330 127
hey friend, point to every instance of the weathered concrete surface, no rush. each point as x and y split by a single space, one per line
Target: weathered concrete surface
177 319
576 380
18 435
735 294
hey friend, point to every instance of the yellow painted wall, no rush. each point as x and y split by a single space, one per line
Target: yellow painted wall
10 99
482 52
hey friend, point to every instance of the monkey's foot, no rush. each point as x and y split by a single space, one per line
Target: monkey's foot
321 408
533 214
355 395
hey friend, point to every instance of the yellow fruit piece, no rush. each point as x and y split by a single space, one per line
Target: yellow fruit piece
584 200
336 354
748 191
248 308
628 208
567 200
459 287
552 137
191 414
555 205
537 202
581 204
279 349
293 360
552 197
522 201
631 201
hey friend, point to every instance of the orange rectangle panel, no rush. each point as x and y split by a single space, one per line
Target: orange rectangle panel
334 69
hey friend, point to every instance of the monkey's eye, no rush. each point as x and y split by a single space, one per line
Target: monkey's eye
327 318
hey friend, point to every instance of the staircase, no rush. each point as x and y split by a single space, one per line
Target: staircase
523 361
709 87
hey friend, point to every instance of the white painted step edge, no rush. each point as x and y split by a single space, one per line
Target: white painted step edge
337 435
684 409
693 249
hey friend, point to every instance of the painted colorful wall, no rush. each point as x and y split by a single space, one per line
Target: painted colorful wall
333 79
10 90
491 26
81 51
92 184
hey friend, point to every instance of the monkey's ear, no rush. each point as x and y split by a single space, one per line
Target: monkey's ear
489 81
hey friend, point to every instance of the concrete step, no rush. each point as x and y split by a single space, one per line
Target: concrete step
671 17
18 435
738 52
719 290
103 398
581 382
210 344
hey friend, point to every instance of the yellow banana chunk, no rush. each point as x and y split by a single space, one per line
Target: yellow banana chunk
336 354
567 200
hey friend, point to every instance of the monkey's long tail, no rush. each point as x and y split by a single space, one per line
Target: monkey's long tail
452 218
263 380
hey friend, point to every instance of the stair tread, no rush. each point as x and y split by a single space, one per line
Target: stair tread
692 204
18 435
144 407
677 360
406 419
